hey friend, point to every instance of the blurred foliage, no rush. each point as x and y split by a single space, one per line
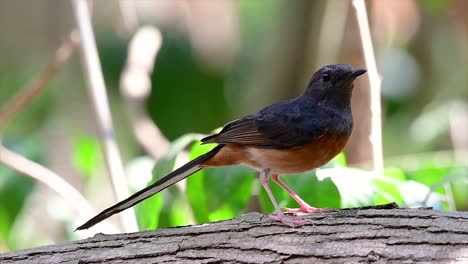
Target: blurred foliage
424 78
218 193
436 6
32 118
14 191
149 209
87 155
184 90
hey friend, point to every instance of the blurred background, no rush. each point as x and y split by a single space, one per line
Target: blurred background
220 60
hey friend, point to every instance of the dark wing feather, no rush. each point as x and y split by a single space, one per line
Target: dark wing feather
241 131
283 125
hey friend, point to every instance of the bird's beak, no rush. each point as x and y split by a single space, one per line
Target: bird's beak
357 72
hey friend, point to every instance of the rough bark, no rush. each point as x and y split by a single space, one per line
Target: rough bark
344 236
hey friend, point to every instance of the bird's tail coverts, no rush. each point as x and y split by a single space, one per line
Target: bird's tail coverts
170 179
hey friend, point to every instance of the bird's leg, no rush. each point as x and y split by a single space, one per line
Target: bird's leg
305 208
279 216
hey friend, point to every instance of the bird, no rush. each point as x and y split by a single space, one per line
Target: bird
288 137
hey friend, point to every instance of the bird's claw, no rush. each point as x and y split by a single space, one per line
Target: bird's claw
289 221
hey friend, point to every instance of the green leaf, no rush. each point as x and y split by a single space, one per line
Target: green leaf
387 191
430 175
359 187
196 192
436 6
177 211
459 186
86 155
218 193
338 161
14 190
148 211
395 173
228 190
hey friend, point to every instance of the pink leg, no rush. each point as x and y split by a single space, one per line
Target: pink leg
305 208
264 180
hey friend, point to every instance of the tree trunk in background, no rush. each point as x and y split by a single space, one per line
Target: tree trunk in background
350 235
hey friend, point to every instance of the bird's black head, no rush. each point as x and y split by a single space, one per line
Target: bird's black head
333 83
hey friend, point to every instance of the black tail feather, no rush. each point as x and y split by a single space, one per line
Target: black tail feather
173 177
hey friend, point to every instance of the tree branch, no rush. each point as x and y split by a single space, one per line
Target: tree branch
344 236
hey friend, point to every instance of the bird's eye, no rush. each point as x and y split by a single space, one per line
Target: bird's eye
326 77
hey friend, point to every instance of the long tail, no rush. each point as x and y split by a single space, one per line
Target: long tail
170 179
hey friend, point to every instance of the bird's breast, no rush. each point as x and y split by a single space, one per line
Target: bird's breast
298 159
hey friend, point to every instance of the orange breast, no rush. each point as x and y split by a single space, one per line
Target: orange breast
298 159
287 161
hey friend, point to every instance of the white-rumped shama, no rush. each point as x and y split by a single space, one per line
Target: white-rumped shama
288 137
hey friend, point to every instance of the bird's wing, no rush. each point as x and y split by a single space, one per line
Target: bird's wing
283 125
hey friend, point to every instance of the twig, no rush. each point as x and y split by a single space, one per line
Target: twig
97 91
374 83
48 178
135 86
62 54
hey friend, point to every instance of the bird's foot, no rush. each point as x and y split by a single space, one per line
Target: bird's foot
289 221
307 209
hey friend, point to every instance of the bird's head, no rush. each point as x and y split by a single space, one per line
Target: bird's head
333 82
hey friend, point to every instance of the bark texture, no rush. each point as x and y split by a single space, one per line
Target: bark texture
343 236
